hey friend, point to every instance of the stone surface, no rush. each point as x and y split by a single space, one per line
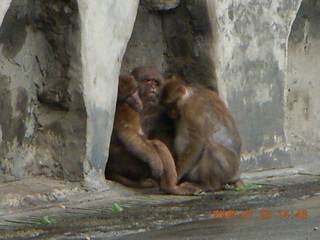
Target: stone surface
106 28
93 215
302 91
146 46
43 118
4 5
60 65
254 76
177 41
159 5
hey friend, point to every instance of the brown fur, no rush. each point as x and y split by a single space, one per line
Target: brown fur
155 121
207 143
133 159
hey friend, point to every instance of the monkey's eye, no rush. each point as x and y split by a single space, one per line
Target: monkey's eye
151 81
146 81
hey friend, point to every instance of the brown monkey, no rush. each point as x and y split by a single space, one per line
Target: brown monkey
128 93
155 121
207 143
133 159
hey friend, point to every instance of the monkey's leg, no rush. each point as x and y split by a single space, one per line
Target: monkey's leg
219 166
168 182
236 181
238 184
142 183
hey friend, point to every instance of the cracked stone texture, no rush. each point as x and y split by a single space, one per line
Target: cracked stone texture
42 117
57 95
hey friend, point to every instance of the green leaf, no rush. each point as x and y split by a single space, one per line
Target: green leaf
251 187
117 208
45 220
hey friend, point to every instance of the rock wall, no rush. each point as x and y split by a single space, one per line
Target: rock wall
58 84
175 37
106 29
42 115
261 77
302 91
253 49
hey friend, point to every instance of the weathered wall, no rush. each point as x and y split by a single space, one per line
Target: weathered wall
303 84
106 29
253 75
174 37
42 114
268 82
4 5
59 69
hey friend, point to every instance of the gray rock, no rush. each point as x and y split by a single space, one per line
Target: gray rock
160 5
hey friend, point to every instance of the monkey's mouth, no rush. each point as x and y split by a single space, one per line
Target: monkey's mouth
152 93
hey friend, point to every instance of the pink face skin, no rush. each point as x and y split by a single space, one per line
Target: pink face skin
135 102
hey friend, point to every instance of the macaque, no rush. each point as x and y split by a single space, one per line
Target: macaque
155 122
134 159
128 93
207 143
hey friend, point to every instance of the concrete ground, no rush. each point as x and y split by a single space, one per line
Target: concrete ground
40 208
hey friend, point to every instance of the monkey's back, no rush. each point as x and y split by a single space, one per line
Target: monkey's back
214 119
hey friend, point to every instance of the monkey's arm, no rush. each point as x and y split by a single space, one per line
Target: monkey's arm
127 128
141 148
189 158
193 150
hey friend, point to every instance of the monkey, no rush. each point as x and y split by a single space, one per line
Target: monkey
127 93
155 121
134 159
150 82
207 144
126 137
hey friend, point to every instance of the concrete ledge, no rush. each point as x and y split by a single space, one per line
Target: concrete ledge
38 192
270 173
41 191
93 215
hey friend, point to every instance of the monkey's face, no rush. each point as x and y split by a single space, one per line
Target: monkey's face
134 102
150 88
